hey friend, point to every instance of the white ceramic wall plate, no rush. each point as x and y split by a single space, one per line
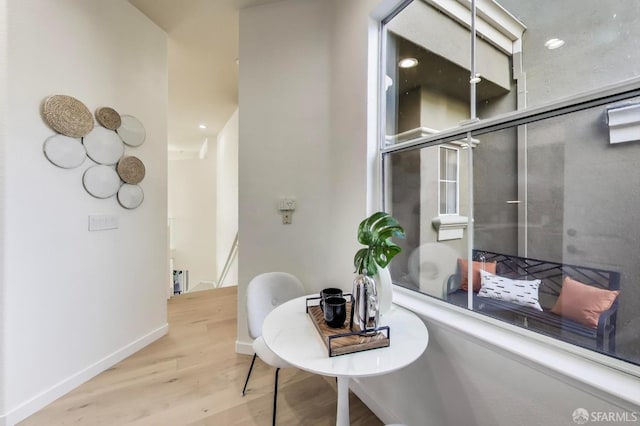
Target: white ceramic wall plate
103 146
101 181
64 151
131 131
130 196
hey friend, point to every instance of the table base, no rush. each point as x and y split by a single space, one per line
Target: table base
342 415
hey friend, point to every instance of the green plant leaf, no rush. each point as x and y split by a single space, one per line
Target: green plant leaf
388 232
375 233
384 253
359 259
365 231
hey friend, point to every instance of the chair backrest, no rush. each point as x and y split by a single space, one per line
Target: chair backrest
265 292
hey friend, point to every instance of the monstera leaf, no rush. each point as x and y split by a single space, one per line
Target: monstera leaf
375 233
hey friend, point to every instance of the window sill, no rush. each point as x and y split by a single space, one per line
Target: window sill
608 378
450 227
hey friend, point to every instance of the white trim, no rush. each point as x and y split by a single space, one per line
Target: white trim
29 407
500 18
615 92
245 348
624 123
421 132
609 379
493 22
450 227
380 410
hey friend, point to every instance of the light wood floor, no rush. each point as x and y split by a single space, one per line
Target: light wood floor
192 376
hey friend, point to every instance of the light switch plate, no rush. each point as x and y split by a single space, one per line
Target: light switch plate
103 222
286 204
286 217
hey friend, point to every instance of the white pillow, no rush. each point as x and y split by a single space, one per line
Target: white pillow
520 292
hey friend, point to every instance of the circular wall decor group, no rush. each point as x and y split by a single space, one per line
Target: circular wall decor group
78 138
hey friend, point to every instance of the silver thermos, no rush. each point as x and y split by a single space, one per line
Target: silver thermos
364 309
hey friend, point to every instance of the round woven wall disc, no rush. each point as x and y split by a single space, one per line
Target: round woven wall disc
131 170
67 115
108 117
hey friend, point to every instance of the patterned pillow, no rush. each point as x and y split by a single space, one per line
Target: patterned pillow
520 292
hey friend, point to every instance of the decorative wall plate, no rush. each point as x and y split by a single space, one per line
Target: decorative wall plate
101 181
64 151
131 169
108 117
103 146
67 115
130 196
131 131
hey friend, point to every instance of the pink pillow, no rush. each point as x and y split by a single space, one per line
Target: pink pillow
583 303
477 266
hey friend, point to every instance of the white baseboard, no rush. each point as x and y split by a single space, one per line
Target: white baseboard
382 412
244 348
29 407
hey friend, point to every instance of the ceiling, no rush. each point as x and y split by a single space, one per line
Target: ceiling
438 74
203 65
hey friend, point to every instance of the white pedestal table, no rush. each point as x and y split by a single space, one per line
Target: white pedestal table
289 332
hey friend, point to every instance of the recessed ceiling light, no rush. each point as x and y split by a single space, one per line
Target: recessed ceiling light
203 126
408 63
553 43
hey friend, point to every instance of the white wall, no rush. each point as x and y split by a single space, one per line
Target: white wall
75 302
297 140
192 209
304 117
227 198
3 133
462 379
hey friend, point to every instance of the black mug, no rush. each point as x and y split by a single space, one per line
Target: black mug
329 292
335 311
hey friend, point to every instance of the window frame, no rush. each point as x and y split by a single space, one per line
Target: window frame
456 181
416 300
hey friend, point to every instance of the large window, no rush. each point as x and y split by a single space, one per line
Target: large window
510 149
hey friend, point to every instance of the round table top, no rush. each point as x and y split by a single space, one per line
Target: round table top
289 332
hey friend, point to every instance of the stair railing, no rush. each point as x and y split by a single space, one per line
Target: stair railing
227 265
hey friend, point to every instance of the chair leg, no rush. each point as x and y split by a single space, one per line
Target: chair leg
248 374
275 397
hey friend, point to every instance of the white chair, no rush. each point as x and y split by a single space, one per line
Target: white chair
264 293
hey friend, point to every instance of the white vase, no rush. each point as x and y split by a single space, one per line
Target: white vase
385 292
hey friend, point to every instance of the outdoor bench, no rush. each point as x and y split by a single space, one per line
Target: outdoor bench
552 276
